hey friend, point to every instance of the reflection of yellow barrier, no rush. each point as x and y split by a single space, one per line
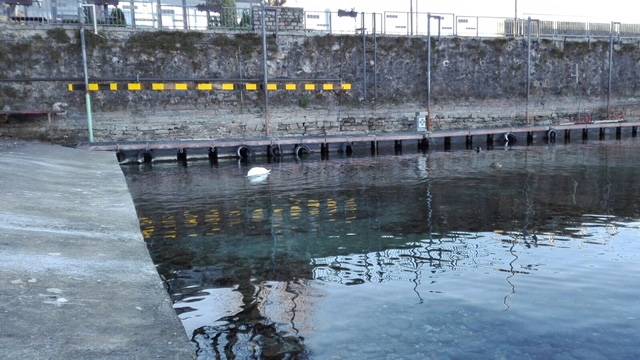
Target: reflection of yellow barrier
214 221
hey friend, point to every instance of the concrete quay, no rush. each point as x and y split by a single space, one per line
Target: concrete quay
76 279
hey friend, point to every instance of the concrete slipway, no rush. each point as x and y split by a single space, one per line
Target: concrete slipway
76 280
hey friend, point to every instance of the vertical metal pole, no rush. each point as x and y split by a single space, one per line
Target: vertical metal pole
330 24
133 13
185 23
439 26
411 15
528 67
364 59
428 71
610 72
159 11
87 96
265 78
477 26
417 18
515 20
375 59
54 11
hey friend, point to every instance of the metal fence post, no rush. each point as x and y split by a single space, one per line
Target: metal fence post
159 11
185 24
330 24
53 6
133 13
528 67
477 26
411 15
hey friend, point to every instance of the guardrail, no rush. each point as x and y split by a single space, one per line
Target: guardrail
194 15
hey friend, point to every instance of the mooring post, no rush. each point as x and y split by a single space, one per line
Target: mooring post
489 140
567 135
447 142
618 133
349 150
397 146
585 134
468 141
213 154
634 131
121 156
182 155
602 133
529 137
147 157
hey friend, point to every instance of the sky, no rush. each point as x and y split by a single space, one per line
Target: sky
572 10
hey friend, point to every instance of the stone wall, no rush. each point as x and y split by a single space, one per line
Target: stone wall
475 83
279 19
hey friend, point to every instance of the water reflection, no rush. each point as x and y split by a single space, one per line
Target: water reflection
360 257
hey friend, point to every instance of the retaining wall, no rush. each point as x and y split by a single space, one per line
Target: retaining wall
475 83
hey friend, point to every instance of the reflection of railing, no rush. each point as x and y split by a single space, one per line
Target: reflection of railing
194 15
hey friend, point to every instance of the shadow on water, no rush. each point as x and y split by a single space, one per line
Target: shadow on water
300 265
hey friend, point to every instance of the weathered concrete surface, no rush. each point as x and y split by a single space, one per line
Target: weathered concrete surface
76 280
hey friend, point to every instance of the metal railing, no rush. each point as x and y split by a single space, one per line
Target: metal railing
193 15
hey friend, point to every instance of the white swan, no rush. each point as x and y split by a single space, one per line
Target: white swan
258 171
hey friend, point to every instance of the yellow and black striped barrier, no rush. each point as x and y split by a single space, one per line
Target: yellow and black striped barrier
206 86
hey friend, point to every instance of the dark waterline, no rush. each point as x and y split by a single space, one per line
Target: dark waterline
526 253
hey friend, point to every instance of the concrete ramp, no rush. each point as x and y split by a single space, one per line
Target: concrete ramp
76 279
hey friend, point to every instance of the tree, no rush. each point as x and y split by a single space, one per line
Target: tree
117 17
226 9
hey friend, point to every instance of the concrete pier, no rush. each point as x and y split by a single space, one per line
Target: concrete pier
76 280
